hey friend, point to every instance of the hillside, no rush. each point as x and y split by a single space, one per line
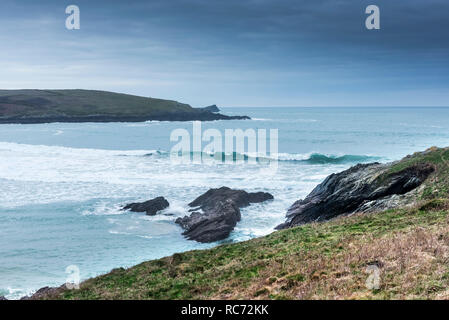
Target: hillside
408 246
38 106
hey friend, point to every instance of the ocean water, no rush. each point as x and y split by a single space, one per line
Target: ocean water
62 184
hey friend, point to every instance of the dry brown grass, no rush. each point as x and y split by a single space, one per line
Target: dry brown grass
413 264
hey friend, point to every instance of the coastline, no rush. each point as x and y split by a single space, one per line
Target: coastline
203 116
418 207
74 105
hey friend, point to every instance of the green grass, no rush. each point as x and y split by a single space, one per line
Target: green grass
20 103
436 156
438 185
250 269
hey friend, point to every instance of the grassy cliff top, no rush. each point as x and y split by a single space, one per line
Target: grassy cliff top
330 260
15 103
437 186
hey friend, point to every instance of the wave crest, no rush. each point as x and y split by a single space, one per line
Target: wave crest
318 158
309 158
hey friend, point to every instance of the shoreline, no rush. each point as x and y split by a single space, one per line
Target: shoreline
106 119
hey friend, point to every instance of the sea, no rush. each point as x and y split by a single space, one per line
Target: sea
62 185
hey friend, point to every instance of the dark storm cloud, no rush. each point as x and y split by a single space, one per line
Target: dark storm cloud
294 52
405 24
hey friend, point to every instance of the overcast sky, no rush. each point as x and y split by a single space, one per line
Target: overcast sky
233 52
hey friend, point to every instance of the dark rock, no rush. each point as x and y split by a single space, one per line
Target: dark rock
214 224
257 197
212 108
45 293
2 298
362 188
151 207
220 213
241 198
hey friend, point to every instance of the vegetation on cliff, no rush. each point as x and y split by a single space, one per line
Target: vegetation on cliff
35 106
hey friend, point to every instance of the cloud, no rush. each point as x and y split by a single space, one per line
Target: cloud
232 52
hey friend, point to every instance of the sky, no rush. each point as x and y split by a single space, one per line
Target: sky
233 52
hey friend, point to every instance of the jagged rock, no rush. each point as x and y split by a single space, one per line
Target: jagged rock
362 188
240 197
2 298
45 293
151 207
220 213
213 225
212 108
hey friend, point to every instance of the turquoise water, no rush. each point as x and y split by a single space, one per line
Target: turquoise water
62 185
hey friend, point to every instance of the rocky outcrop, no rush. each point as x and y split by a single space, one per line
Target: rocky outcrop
362 188
151 207
2 298
240 197
213 108
216 213
45 293
212 225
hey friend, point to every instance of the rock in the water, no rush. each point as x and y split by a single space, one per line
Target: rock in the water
220 213
214 224
3 298
151 207
362 188
240 197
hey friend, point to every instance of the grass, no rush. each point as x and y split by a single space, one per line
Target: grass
332 260
438 185
316 261
21 103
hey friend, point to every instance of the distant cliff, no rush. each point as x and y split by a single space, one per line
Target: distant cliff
43 106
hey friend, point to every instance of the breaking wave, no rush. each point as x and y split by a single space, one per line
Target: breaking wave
308 158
